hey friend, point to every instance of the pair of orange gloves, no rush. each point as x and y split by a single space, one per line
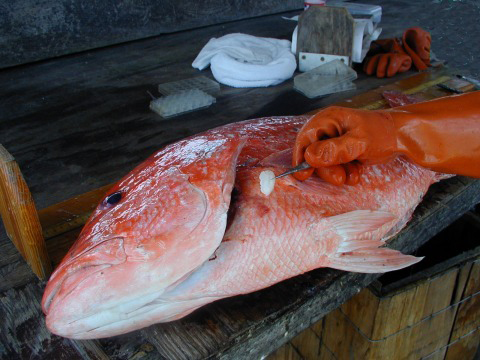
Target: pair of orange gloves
391 56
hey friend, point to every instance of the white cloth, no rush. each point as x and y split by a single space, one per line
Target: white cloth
241 60
364 32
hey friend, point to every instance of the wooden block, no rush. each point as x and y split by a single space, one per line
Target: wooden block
20 216
325 30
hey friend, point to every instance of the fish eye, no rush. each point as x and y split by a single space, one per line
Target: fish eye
112 199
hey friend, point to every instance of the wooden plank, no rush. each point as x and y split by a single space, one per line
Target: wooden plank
89 349
54 28
464 348
317 328
128 347
325 30
326 354
465 335
20 217
409 307
401 323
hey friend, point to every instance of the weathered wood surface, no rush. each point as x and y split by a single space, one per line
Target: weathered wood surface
80 122
325 30
31 30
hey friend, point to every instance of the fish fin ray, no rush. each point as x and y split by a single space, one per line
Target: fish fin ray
378 260
361 235
361 228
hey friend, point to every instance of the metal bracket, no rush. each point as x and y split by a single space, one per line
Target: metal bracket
309 61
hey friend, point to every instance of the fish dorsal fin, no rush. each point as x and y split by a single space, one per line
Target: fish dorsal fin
360 237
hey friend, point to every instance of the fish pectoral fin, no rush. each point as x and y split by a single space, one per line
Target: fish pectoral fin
376 260
361 235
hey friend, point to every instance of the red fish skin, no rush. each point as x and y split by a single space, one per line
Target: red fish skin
297 228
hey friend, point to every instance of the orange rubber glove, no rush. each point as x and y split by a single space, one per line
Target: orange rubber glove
442 135
387 58
416 43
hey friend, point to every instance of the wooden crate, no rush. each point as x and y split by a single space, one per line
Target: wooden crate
431 310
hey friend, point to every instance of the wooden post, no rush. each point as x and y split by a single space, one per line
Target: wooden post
20 216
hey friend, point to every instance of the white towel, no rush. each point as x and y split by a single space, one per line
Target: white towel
241 60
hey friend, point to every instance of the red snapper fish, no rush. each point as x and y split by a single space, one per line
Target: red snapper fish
195 223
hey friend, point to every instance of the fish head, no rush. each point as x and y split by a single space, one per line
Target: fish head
152 229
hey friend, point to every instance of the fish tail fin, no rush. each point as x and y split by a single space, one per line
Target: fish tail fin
361 239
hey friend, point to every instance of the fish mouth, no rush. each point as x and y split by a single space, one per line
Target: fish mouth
83 272
95 322
162 305
123 317
70 275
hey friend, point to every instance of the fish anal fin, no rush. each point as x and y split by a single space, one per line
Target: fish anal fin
378 260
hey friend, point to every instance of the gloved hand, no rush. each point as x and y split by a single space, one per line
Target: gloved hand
387 58
442 134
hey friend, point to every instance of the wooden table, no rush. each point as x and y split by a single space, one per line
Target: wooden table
79 122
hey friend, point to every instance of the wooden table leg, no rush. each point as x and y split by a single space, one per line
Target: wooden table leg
20 216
